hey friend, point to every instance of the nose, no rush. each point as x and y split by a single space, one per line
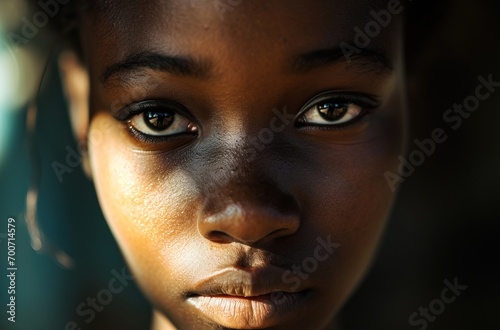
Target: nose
249 218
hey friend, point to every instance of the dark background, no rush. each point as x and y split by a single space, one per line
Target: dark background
445 223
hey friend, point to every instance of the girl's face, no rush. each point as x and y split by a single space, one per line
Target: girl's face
239 156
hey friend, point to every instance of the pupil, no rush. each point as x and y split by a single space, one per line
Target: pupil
158 121
333 111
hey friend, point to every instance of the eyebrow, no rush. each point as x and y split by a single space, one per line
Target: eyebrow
177 65
366 60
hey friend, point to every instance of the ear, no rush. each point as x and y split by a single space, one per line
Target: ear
76 85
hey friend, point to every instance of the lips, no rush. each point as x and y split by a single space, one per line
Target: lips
247 299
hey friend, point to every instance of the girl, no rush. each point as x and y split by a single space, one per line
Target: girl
238 149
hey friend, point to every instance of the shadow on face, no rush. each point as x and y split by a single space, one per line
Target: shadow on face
238 150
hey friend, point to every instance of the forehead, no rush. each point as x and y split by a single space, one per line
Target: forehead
176 10
247 31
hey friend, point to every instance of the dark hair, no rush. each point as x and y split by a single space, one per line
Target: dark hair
62 23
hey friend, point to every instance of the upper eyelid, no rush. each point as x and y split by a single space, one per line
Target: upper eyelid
365 101
128 112
332 95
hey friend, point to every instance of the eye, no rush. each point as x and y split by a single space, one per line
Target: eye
160 119
335 110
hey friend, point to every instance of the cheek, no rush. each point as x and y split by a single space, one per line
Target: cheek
353 193
344 194
144 204
358 209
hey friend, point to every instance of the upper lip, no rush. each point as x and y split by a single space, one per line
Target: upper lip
243 283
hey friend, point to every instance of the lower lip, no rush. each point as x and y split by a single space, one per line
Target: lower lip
249 312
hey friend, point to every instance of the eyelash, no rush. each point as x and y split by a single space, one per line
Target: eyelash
128 113
366 102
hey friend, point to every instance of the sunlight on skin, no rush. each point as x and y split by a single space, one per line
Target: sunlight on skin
206 230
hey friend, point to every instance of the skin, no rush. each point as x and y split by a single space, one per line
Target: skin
186 207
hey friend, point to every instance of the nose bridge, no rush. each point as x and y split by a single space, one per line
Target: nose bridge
247 188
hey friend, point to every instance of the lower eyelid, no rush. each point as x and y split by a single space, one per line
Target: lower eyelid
155 139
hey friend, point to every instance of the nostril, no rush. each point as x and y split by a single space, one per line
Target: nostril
219 237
